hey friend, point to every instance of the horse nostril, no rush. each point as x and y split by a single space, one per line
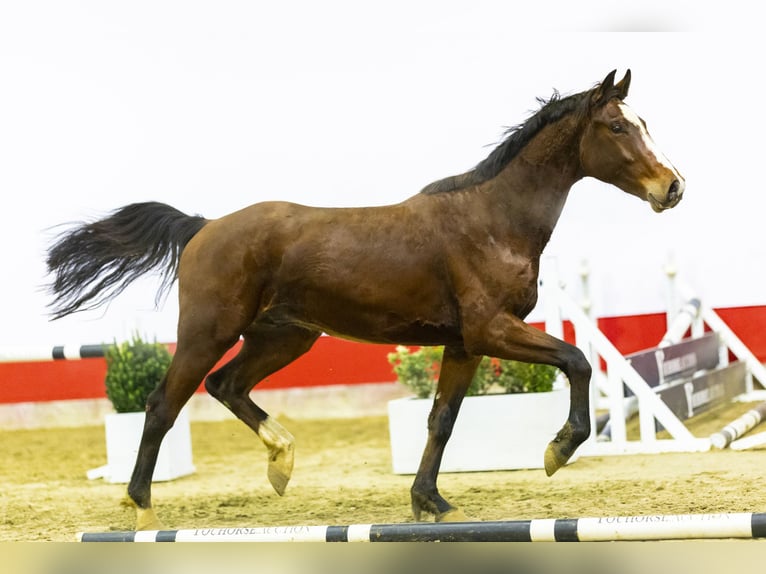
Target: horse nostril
673 191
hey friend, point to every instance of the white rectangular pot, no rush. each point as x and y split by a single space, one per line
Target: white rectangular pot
123 435
492 432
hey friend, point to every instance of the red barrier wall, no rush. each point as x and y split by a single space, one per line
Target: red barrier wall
335 361
331 362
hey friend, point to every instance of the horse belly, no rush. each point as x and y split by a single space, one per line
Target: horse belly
398 334
395 330
393 316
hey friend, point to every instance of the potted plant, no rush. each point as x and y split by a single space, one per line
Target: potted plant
134 369
510 413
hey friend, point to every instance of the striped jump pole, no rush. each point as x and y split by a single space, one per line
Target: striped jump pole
750 441
37 353
739 426
648 527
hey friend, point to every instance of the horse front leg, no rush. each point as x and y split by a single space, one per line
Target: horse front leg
457 371
508 337
577 427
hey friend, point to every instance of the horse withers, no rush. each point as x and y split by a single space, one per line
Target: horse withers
454 265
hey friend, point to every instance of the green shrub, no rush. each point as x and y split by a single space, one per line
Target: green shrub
133 369
518 377
419 370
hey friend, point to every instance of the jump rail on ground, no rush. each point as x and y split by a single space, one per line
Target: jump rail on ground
614 528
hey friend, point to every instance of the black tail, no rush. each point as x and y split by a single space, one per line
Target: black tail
94 262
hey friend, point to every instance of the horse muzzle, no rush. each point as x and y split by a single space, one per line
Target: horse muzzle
673 195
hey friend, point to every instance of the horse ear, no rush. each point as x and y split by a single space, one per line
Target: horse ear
623 85
604 89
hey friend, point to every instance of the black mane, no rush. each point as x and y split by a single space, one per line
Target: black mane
515 139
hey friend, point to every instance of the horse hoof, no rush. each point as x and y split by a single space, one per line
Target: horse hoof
280 469
146 519
281 445
554 460
560 449
452 515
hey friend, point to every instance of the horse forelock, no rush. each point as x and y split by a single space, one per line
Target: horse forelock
514 140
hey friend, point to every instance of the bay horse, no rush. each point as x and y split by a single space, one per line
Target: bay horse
454 265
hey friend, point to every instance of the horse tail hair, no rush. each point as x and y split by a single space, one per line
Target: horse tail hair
94 262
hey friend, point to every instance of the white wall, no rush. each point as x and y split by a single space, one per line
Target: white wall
210 106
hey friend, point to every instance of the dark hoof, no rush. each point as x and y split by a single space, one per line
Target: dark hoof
435 505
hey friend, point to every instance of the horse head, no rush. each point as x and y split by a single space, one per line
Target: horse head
616 148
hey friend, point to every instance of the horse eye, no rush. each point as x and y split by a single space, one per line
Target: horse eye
617 128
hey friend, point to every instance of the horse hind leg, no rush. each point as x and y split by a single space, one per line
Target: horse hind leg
457 371
265 350
190 363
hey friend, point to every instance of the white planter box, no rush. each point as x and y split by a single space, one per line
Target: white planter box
492 432
123 435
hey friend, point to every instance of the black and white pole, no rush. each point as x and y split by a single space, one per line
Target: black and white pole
648 527
738 427
37 353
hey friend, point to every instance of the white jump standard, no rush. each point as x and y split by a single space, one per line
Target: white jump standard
647 527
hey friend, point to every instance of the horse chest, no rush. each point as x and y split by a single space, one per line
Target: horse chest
500 280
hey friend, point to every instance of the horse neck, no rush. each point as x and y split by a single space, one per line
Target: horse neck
530 192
